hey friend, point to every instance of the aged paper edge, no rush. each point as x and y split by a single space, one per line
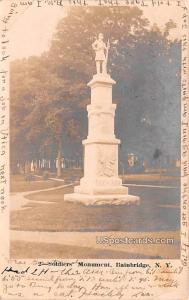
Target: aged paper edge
10 10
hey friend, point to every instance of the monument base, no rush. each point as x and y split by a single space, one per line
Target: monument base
101 184
108 199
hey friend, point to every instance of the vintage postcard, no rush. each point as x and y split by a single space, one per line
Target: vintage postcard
94 149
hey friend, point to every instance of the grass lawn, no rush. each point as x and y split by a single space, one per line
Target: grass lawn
159 179
67 216
19 184
159 211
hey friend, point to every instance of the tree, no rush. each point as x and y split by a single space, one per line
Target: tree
40 112
48 108
144 62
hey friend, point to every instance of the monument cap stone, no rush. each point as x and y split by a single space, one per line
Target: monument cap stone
101 79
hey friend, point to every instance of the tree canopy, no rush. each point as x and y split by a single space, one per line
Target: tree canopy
49 93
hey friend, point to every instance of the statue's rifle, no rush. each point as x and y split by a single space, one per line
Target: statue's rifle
108 45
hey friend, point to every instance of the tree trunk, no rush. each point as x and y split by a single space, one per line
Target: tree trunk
59 159
37 165
53 164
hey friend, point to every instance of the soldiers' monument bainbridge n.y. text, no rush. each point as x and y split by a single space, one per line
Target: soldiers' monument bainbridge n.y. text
101 184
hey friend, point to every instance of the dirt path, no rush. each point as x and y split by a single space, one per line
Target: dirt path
19 200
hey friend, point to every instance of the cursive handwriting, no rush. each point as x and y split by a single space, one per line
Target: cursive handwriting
81 283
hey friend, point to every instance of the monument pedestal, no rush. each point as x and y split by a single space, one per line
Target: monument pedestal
101 184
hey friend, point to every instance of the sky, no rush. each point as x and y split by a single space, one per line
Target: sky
32 29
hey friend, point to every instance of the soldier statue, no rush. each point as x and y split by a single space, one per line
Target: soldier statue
101 57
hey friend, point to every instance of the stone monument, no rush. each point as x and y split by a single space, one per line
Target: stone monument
101 184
